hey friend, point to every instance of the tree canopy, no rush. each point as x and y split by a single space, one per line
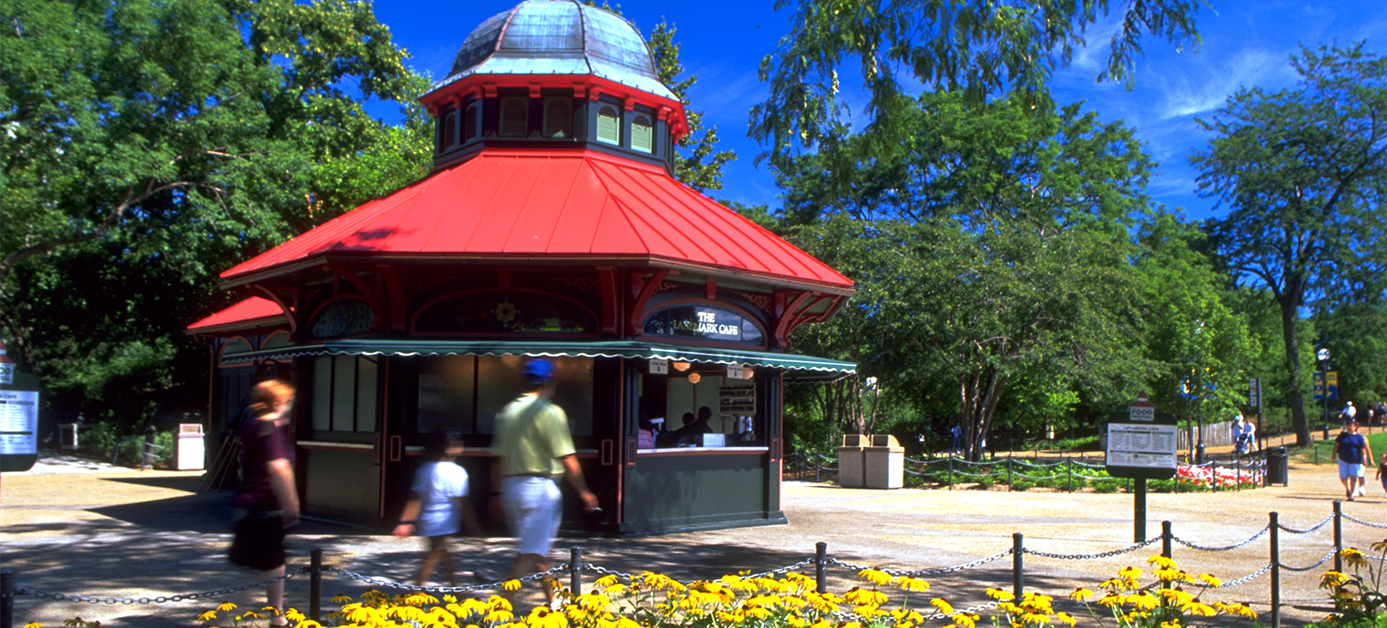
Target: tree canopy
178 136
982 48
1303 175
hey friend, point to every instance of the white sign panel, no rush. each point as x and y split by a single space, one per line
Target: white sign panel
1149 446
734 371
659 366
17 444
19 411
6 374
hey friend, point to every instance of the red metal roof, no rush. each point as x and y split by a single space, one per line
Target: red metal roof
252 309
529 204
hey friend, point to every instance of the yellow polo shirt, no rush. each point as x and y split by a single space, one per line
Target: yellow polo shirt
531 436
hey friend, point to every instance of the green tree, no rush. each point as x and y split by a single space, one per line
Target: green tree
1303 173
1202 343
982 47
988 246
699 164
183 136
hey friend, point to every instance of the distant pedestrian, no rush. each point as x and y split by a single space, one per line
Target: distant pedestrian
1353 454
534 449
266 499
437 506
1243 431
1349 412
1382 474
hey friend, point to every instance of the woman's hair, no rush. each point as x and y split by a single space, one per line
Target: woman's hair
267 395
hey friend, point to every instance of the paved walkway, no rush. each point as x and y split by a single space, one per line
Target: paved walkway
76 527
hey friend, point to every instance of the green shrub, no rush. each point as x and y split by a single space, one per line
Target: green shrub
1022 485
1107 486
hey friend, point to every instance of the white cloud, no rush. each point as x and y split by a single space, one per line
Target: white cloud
1197 90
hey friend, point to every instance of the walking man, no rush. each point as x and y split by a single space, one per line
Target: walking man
534 449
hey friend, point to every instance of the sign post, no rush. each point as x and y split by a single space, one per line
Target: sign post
1141 446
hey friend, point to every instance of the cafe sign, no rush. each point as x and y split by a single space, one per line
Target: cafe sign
703 323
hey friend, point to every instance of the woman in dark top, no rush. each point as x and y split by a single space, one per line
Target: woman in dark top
266 498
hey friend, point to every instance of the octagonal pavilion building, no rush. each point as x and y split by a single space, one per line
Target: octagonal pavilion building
550 226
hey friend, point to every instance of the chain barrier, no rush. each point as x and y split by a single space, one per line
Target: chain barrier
1321 562
391 584
1224 548
1366 523
1245 579
921 572
783 570
163 599
587 566
1307 530
1100 555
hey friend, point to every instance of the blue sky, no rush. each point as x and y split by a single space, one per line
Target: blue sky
1245 44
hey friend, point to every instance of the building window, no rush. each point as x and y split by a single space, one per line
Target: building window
642 134
558 118
344 394
449 128
608 125
469 123
514 114
700 322
464 393
343 318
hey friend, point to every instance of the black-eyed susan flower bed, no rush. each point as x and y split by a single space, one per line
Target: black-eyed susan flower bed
1173 599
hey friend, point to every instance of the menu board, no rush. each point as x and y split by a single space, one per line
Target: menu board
19 416
1144 447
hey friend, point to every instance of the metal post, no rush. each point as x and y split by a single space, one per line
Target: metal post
951 472
7 593
1166 540
1274 543
315 584
1213 474
1018 554
820 562
1009 481
575 570
1069 466
1139 512
817 468
1338 536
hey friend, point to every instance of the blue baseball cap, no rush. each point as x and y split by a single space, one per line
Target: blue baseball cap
539 371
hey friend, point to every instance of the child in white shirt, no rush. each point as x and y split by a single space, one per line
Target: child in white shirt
437 505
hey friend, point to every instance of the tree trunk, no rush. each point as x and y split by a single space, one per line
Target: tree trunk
978 396
1294 399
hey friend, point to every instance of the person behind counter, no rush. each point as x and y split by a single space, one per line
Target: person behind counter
692 425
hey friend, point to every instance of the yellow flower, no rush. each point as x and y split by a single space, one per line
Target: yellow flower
606 581
294 614
419 599
542 617
1176 596
361 614
1174 623
1110 600
944 607
998 594
795 620
1237 609
1161 562
1209 580
1354 558
875 576
865 597
497 602
252 615
1065 618
1332 579
1198 608
498 615
511 585
907 583
1129 573
1080 594
1143 601
226 606
33 624
1167 575
207 616
963 621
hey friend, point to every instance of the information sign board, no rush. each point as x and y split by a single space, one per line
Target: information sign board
1142 449
19 421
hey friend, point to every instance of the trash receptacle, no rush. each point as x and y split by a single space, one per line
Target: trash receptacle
1277 467
850 463
191 454
67 436
885 462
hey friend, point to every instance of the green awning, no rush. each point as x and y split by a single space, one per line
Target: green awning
800 367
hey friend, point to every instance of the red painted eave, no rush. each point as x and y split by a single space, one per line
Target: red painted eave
251 312
547 204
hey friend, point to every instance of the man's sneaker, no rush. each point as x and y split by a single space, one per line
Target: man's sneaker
1362 492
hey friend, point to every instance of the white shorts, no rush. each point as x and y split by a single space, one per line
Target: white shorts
1350 470
534 509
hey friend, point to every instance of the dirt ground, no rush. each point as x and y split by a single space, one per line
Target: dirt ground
86 529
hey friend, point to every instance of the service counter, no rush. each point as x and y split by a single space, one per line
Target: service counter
690 488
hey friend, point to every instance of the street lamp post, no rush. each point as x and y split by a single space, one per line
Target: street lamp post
1323 357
